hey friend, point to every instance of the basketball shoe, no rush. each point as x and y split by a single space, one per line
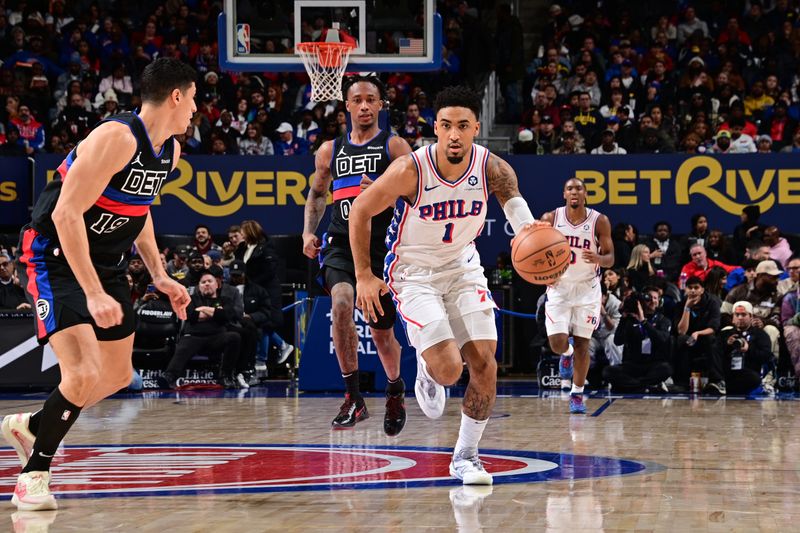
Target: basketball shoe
467 467
565 369
350 412
32 492
15 431
576 405
430 395
395 418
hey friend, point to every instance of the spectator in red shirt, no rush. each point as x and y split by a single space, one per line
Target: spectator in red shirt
701 265
29 129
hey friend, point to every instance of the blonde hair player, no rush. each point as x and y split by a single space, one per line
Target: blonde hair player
573 303
433 270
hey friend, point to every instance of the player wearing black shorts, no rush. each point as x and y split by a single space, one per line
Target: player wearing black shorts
349 164
72 264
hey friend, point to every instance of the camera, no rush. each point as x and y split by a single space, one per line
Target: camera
738 342
629 304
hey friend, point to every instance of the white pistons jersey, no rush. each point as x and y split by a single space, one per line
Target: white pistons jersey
445 217
580 237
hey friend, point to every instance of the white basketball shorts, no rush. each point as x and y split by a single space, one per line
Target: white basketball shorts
448 302
573 308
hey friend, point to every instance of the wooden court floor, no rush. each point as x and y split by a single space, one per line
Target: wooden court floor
268 461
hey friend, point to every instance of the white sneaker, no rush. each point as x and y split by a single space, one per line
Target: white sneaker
15 431
430 395
467 467
286 351
243 384
261 366
32 492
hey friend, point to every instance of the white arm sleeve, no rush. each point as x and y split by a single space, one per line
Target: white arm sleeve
518 213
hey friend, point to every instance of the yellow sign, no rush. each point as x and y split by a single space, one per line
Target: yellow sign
8 191
697 176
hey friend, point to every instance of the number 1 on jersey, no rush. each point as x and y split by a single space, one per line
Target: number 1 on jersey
448 233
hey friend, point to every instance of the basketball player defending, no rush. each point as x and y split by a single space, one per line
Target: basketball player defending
73 264
351 162
573 302
433 270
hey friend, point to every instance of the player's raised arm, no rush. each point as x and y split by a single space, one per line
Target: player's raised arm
503 184
399 181
317 199
106 151
605 255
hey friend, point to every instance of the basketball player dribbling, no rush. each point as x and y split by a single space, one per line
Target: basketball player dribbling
73 264
351 162
573 302
433 270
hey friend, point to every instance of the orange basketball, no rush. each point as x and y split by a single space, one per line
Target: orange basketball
540 254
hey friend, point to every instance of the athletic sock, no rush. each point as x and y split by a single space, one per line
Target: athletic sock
57 417
395 387
576 389
33 422
469 434
569 351
351 385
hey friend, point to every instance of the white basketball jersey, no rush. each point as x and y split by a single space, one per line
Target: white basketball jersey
580 237
445 217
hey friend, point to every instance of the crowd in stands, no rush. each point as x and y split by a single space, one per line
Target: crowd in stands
66 65
235 312
661 77
729 310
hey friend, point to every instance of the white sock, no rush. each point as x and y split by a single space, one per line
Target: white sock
576 389
469 434
569 351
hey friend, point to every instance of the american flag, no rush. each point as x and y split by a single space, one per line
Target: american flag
410 47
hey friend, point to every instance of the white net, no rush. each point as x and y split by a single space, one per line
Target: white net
325 64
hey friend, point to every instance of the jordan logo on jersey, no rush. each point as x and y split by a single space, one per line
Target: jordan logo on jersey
450 209
138 160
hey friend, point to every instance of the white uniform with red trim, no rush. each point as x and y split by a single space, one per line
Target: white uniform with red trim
573 303
433 268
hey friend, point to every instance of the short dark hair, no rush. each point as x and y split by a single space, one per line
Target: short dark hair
349 81
694 280
662 223
163 76
197 227
458 96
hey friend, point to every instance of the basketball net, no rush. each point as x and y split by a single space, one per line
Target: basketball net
325 64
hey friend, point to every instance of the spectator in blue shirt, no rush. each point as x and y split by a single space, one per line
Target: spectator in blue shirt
288 143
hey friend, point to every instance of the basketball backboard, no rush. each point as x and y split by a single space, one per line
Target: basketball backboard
388 35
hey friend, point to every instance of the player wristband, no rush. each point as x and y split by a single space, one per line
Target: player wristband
518 213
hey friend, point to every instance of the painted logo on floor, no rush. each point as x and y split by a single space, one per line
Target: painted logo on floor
171 470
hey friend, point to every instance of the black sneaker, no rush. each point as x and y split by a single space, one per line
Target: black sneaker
166 381
395 418
350 412
715 388
228 381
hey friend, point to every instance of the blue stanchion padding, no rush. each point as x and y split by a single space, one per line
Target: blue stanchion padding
319 368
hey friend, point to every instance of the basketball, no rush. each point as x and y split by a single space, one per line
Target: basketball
540 254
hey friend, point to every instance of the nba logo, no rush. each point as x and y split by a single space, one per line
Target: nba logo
243 38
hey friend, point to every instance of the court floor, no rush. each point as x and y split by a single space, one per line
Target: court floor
267 460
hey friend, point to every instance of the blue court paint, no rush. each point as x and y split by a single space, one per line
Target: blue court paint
603 407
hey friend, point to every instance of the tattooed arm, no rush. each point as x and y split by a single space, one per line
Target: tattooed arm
317 199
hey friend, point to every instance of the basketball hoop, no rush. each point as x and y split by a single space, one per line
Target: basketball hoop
325 64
